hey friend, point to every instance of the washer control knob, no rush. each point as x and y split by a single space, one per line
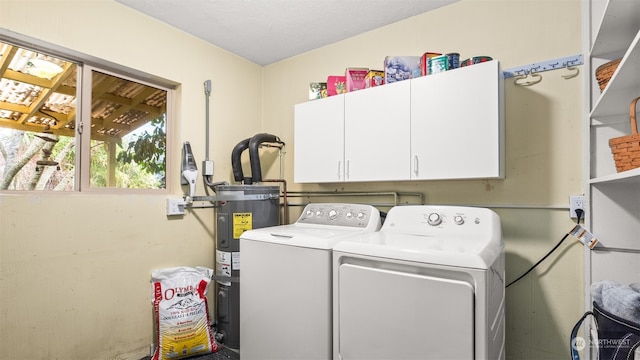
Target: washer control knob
349 215
333 214
309 213
361 216
434 219
319 213
458 219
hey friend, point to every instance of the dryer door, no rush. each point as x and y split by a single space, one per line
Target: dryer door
384 314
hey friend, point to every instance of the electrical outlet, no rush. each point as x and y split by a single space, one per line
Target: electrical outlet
175 207
576 202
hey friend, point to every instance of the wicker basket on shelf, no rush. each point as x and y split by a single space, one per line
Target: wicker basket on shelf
605 71
626 149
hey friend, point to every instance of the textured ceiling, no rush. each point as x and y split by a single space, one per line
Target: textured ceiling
267 31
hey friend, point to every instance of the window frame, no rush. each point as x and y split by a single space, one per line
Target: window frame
85 76
85 65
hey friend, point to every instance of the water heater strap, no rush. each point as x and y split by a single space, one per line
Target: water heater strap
236 197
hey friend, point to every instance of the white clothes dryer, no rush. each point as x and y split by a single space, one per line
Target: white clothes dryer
285 282
428 285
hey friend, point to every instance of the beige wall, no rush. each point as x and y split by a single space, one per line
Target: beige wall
543 144
74 269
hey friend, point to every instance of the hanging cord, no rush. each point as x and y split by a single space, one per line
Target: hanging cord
579 213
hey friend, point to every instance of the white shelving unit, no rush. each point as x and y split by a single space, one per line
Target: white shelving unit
612 31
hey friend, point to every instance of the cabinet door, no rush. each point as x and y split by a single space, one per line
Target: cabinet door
319 141
457 127
377 133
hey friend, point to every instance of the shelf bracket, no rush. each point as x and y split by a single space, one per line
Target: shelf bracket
554 64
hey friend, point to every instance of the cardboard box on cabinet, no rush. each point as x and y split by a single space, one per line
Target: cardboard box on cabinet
336 85
398 68
317 90
374 78
424 70
355 78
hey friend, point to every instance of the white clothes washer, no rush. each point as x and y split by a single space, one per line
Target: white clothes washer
285 282
428 285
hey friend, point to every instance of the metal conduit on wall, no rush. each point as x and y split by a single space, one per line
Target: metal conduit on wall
396 196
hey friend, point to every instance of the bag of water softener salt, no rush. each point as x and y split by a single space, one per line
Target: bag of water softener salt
181 312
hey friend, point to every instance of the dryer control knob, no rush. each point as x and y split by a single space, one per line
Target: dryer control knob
361 216
349 215
319 213
309 213
459 220
333 214
434 219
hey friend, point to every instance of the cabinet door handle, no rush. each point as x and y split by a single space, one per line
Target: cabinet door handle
347 170
339 172
415 164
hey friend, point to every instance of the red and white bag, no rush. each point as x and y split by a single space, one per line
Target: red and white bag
181 312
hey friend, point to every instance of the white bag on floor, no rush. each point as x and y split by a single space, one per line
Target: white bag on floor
181 312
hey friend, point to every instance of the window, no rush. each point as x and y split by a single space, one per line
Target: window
121 129
128 132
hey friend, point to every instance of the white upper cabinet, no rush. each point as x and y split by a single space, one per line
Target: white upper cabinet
319 141
457 124
448 125
377 133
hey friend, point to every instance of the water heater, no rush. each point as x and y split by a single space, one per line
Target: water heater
248 207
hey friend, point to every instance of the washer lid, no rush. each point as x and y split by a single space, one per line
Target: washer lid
321 226
451 251
303 235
